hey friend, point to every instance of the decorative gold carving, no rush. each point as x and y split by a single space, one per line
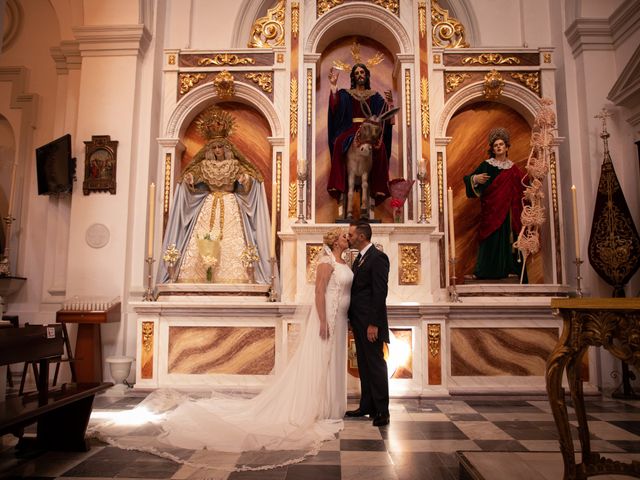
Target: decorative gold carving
323 6
293 107
427 199
437 59
530 80
263 79
147 336
268 31
491 59
172 59
278 180
223 83
454 80
189 80
293 199
554 181
407 96
409 267
392 5
447 32
440 167
226 59
313 252
422 18
493 85
280 58
309 96
547 58
424 107
295 19
433 333
167 182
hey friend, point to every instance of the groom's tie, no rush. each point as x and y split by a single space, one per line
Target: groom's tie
356 262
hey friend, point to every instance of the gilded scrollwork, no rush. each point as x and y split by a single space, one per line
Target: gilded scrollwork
424 107
531 80
407 97
491 59
226 59
189 80
493 85
167 183
224 84
323 6
433 333
447 31
293 199
268 31
422 18
554 181
263 79
295 19
293 107
309 96
147 336
454 80
409 267
313 253
391 5
172 59
440 167
427 199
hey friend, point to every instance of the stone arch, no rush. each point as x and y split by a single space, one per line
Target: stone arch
194 102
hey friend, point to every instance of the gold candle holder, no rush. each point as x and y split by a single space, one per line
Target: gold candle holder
302 178
422 176
273 294
453 293
149 295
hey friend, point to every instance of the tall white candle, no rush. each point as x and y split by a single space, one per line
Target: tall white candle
12 188
302 166
422 167
452 237
574 204
152 204
274 213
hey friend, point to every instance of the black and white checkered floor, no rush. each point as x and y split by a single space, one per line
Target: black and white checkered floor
500 437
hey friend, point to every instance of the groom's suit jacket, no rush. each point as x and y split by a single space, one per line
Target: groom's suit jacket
369 293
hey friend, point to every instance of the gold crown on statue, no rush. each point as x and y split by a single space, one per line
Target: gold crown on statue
355 54
215 123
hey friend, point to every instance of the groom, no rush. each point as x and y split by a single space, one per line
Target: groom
368 319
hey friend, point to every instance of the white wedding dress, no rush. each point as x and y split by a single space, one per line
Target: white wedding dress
292 416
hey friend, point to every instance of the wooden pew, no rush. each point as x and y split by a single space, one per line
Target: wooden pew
62 414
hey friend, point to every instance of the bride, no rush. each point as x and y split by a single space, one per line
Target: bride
302 408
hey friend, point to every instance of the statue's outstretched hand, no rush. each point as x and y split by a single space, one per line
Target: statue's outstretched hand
333 77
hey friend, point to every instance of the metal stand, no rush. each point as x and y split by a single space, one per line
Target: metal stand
273 294
5 267
302 178
148 294
578 262
423 214
453 293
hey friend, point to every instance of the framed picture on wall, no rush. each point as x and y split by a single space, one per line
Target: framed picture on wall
100 165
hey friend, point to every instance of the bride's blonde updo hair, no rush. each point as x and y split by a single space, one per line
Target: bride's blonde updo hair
331 237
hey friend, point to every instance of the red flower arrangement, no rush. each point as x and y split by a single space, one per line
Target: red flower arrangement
400 189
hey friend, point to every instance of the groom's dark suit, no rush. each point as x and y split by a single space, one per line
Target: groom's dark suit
368 307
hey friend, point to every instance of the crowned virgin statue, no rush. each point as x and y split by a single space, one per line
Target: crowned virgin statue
219 214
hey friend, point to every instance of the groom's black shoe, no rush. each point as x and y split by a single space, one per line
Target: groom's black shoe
380 420
356 413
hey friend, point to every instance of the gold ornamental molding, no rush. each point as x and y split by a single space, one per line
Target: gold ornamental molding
424 107
409 267
422 18
278 180
493 85
427 199
530 80
189 80
147 336
295 19
323 6
268 31
172 59
226 59
224 84
433 333
447 31
407 96
554 181
313 252
263 79
454 80
293 199
491 59
293 107
167 183
391 5
309 95
547 58
440 166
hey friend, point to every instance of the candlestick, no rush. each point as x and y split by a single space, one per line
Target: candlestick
152 204
149 294
422 176
452 238
274 213
576 237
11 189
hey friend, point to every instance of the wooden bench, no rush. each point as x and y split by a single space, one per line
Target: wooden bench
62 414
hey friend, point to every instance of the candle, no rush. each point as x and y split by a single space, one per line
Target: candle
302 167
11 188
274 213
422 169
576 237
152 204
452 237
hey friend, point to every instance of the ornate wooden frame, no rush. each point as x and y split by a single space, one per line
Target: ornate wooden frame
100 165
